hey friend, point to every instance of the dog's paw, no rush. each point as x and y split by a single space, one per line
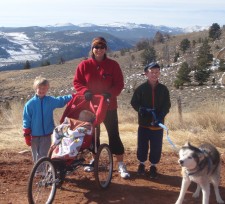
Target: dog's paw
219 200
195 195
178 202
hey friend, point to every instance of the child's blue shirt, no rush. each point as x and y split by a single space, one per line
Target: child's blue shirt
38 113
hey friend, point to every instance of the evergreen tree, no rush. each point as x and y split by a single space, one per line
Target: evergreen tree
61 60
45 63
177 55
159 37
144 44
184 45
26 65
183 74
214 31
202 76
204 60
193 43
148 55
122 52
199 40
222 65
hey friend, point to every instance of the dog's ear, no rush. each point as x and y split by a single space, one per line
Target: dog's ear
187 144
201 156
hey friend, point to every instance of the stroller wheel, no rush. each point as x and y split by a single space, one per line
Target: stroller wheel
103 167
42 182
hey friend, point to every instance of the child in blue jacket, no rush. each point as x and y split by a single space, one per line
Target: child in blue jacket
38 122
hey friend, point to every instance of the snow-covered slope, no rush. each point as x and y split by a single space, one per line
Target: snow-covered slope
17 47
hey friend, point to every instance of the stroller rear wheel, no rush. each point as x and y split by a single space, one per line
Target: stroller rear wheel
103 166
42 182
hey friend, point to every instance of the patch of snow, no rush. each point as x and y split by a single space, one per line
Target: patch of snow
27 52
195 28
61 25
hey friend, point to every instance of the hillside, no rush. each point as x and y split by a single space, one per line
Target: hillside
17 85
80 187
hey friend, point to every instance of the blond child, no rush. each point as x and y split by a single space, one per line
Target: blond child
38 122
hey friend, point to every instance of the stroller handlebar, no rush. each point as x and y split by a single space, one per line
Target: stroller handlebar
98 105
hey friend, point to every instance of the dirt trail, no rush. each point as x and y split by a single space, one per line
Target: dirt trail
81 187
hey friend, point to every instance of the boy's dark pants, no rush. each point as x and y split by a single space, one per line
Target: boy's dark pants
155 138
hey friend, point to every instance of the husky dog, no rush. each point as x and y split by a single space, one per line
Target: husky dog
202 166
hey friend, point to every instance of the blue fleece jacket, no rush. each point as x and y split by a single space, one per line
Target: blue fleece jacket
38 113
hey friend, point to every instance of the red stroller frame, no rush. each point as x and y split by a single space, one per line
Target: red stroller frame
98 105
42 187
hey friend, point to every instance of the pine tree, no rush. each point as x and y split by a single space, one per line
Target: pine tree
143 44
193 43
214 31
222 65
45 63
184 45
26 65
204 60
177 55
148 55
183 74
159 37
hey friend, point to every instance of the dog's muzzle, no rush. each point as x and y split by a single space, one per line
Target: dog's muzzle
181 162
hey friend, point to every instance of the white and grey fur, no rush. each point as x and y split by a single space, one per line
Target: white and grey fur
202 166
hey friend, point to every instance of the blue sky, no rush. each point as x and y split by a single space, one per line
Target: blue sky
175 13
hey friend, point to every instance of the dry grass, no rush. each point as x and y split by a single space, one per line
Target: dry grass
206 124
11 127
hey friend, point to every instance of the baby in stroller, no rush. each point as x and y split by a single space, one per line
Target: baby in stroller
68 137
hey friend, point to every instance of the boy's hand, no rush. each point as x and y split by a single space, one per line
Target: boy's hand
27 136
28 140
146 112
156 123
142 111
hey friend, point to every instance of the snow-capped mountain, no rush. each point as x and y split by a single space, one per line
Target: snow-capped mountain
126 31
16 47
195 28
69 41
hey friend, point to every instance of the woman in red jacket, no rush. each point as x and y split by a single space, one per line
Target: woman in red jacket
101 75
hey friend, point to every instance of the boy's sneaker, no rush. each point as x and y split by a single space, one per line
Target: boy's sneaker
123 171
141 169
153 172
90 167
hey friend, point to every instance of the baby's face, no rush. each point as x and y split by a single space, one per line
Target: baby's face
86 116
42 90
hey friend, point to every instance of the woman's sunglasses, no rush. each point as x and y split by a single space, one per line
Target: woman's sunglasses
99 47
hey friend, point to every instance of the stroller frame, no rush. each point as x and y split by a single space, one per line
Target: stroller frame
48 173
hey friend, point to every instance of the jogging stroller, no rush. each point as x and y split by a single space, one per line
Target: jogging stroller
49 172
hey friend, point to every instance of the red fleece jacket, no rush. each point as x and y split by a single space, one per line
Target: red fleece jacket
99 77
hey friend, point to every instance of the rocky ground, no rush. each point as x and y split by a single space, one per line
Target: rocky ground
81 187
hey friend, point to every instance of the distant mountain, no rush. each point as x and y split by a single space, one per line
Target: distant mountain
40 46
68 41
195 29
130 32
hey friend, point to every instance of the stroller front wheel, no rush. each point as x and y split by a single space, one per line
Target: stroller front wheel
42 182
103 166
